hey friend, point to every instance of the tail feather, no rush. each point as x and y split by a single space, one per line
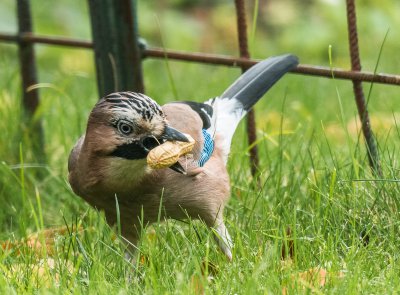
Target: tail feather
255 82
240 97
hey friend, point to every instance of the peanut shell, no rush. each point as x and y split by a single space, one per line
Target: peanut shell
169 153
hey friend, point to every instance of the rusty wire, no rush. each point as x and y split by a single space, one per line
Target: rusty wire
27 63
372 150
216 59
27 58
244 53
25 38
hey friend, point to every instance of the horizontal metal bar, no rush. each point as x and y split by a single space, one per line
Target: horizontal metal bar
50 40
225 60
301 69
337 73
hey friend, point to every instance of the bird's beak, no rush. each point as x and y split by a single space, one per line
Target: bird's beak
177 167
171 134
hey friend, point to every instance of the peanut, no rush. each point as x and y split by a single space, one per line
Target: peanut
169 153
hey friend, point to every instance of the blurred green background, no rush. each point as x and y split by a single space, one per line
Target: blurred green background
310 104
310 149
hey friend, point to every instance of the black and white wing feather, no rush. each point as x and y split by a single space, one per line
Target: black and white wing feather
222 114
229 108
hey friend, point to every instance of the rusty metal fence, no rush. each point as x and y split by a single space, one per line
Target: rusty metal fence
116 45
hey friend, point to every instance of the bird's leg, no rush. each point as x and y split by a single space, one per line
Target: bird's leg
129 235
223 239
131 250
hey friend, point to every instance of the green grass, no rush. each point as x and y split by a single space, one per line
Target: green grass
314 173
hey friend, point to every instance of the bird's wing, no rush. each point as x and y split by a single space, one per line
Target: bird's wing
205 113
183 117
74 174
230 107
74 155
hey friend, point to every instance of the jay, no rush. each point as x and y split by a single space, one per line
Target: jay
109 160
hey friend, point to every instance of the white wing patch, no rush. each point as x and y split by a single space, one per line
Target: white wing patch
227 113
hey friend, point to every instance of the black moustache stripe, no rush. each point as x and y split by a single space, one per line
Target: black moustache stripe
131 151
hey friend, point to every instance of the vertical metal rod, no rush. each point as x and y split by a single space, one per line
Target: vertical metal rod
244 52
29 78
372 150
116 45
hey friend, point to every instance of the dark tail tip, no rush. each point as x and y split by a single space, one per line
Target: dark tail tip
257 80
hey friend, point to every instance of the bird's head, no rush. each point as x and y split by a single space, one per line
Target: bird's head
124 126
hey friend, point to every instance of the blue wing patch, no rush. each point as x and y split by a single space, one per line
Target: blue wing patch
208 148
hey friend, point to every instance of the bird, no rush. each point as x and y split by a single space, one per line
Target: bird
107 165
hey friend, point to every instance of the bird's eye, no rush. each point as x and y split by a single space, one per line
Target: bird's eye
124 127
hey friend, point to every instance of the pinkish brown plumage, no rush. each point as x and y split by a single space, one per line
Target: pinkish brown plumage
110 159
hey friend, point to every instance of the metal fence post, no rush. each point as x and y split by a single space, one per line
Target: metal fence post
244 53
115 42
372 149
29 78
